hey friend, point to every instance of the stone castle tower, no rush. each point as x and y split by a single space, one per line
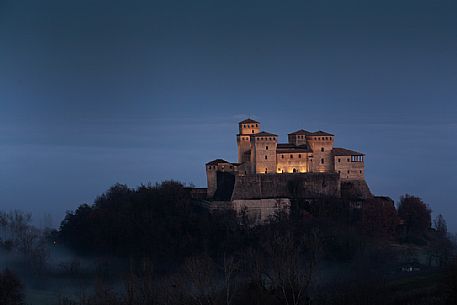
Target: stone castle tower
260 153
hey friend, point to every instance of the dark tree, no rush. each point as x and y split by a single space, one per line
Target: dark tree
10 289
379 218
415 214
440 225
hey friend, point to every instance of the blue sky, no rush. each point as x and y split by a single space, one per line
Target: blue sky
98 92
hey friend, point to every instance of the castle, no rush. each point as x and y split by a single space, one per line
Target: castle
307 154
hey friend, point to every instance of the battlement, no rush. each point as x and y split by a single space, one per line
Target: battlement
308 166
305 185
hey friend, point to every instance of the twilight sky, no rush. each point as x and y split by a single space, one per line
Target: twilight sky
98 92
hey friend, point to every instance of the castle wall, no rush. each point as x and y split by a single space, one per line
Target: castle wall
322 160
260 210
348 169
355 189
292 162
308 185
249 128
244 146
296 139
263 155
212 175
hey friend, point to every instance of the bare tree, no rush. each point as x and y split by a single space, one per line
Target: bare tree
293 268
200 276
230 269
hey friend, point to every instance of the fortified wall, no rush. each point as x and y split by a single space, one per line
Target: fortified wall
270 174
232 187
306 185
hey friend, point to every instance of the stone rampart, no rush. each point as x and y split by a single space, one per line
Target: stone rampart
303 185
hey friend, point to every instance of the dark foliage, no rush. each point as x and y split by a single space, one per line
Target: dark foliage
219 257
379 219
151 221
415 214
10 289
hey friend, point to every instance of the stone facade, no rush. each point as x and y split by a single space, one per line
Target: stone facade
306 186
260 153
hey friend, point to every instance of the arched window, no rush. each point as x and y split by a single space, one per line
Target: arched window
294 170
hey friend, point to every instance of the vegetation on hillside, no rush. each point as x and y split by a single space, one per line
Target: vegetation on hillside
158 246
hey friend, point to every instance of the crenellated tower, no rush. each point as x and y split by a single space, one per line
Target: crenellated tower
247 129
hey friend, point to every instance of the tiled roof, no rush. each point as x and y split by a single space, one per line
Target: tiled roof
248 121
345 152
300 132
217 161
285 145
320 133
264 134
291 148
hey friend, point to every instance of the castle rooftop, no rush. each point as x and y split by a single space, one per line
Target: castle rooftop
217 161
264 134
283 148
320 133
248 121
337 151
301 132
